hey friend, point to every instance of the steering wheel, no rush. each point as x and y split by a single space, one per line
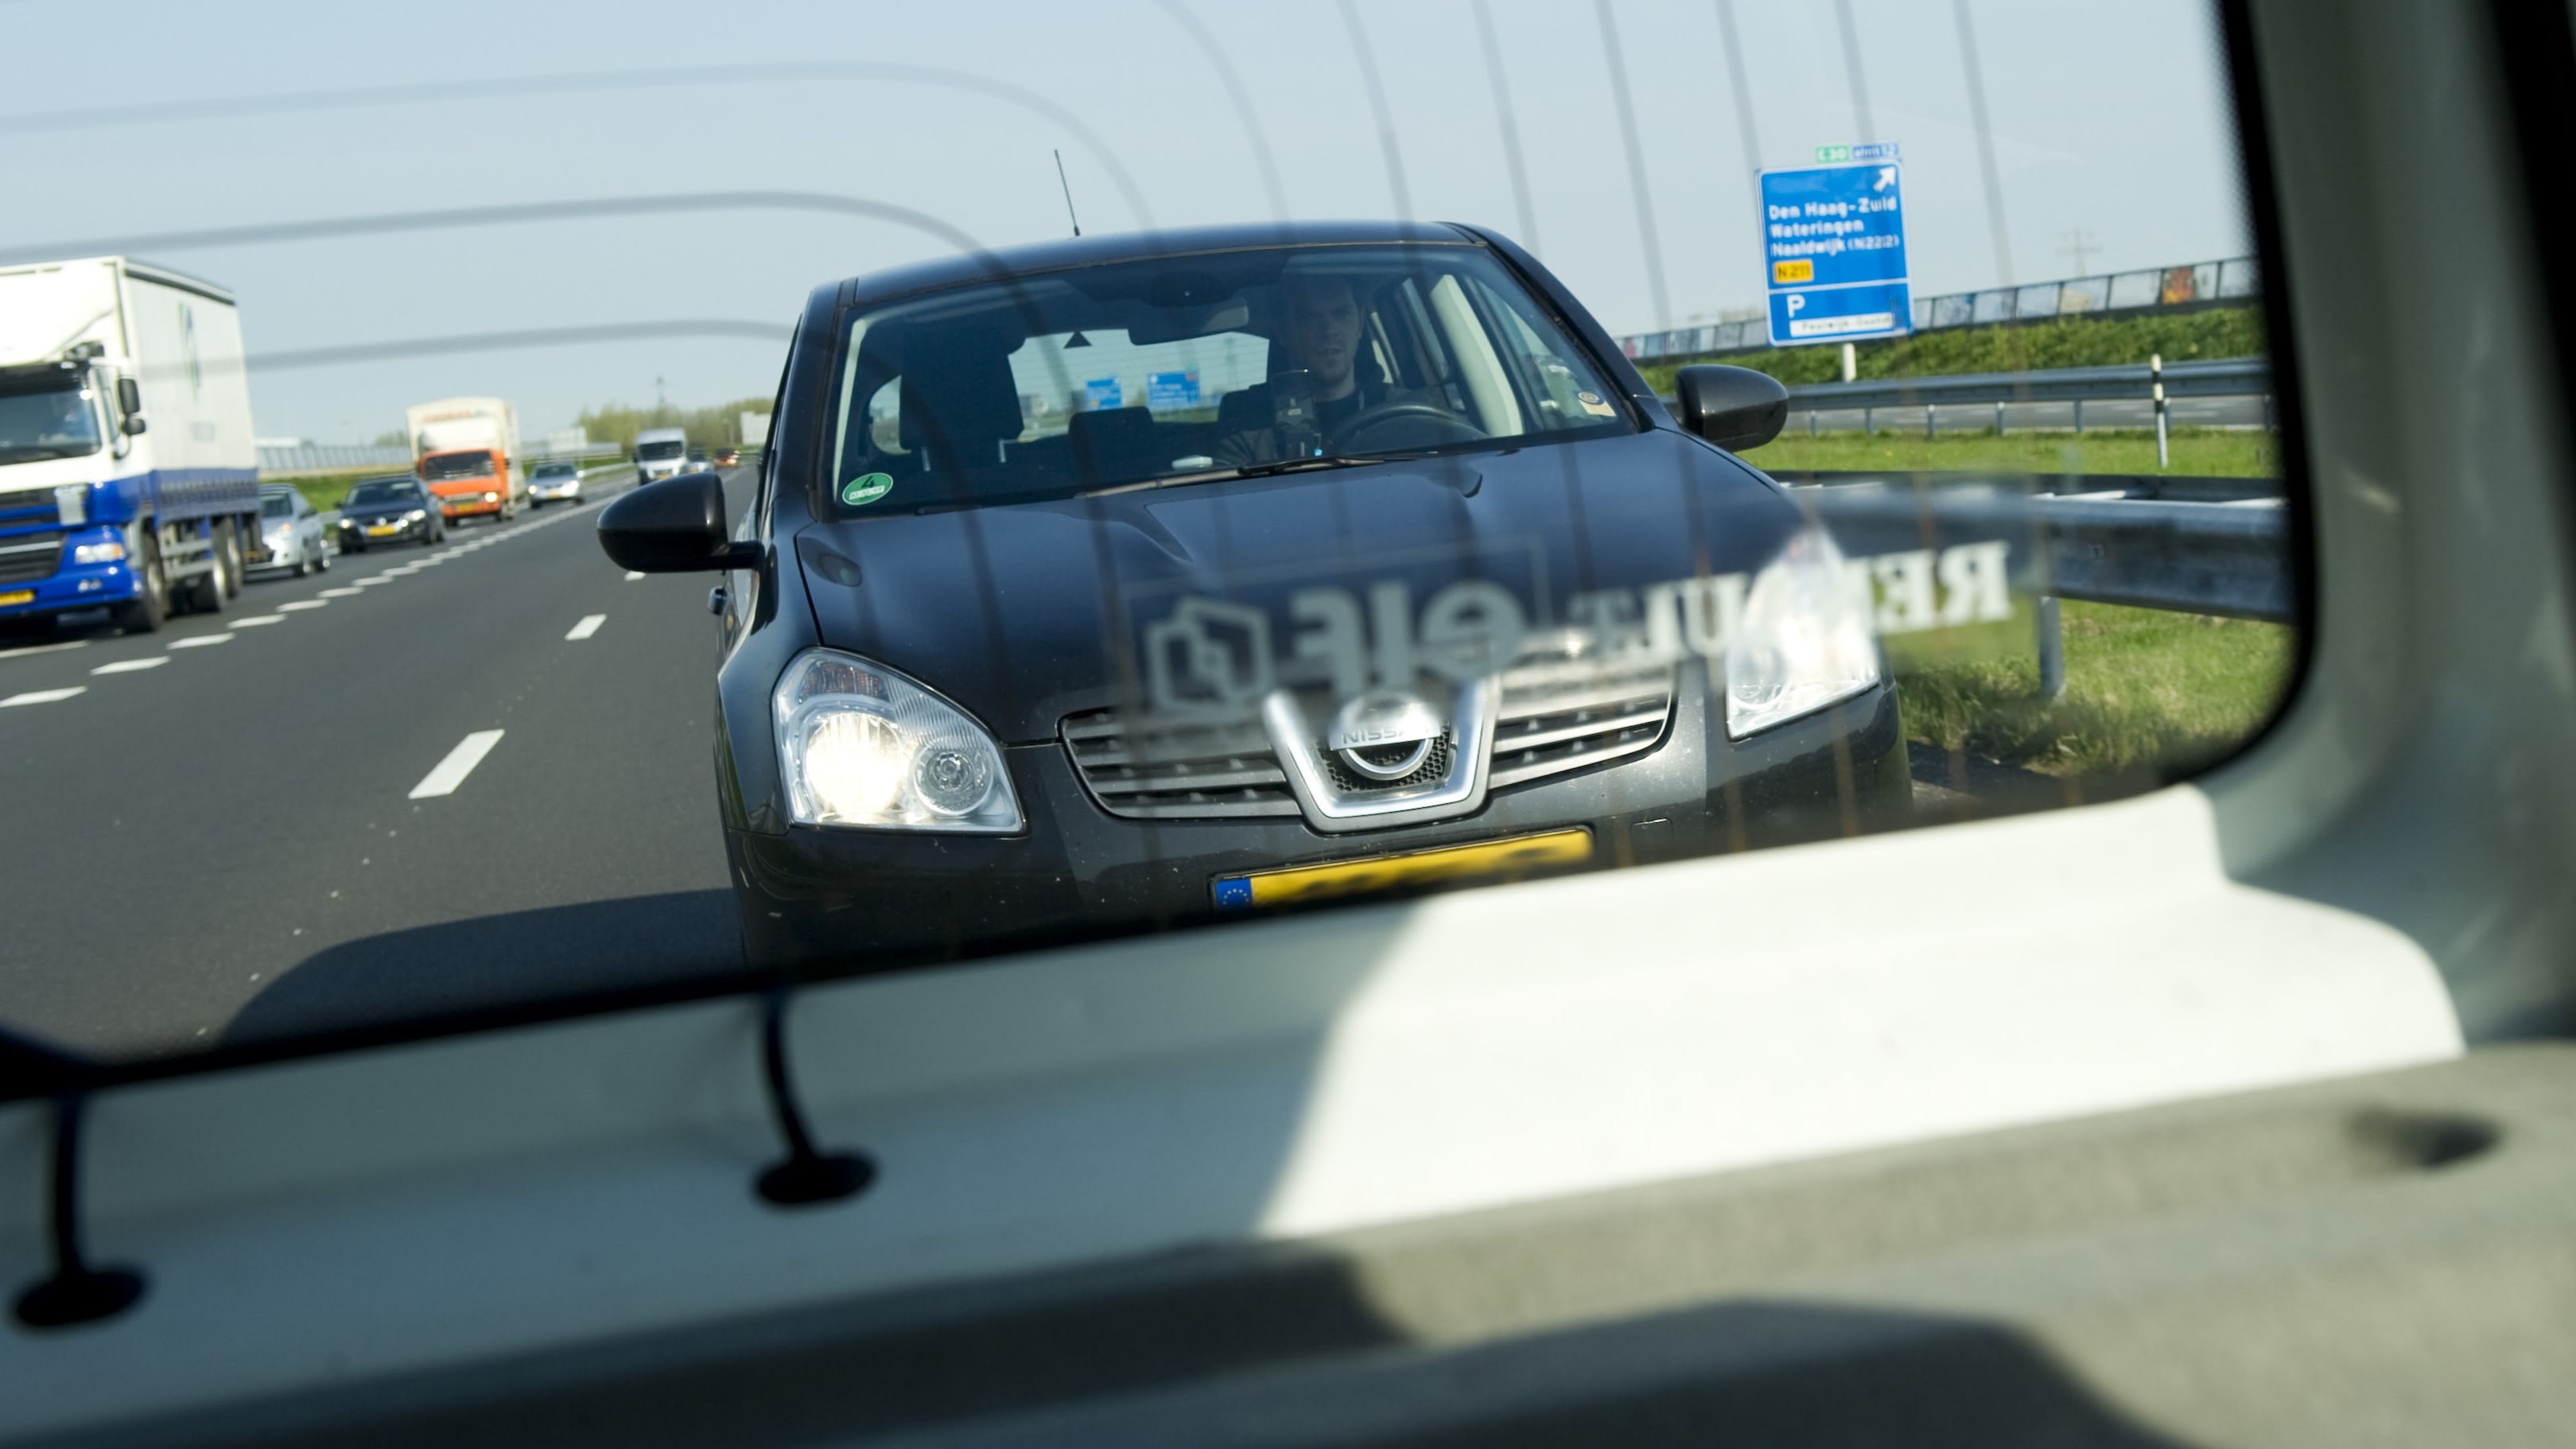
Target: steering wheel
1401 425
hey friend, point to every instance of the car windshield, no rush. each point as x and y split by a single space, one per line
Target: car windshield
1201 367
656 452
382 492
551 470
450 467
49 415
276 505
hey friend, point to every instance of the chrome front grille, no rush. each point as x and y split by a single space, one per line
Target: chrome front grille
1434 768
1177 772
1566 714
25 558
31 537
1555 716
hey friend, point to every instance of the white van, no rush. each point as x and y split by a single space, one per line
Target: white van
660 453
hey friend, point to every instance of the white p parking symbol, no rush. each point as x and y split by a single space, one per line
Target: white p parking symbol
1797 303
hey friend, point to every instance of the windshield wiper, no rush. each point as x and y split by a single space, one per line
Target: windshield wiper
1261 470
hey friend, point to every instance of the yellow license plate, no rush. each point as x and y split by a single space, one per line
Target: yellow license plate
1490 859
21 596
382 530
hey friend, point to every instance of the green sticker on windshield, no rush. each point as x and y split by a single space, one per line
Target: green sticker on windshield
867 488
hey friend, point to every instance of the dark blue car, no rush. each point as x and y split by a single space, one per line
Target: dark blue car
1128 582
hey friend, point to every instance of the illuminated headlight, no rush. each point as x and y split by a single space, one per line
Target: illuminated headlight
1804 641
491 497
98 553
414 516
861 745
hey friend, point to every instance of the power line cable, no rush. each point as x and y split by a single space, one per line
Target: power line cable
1244 112
449 92
1851 65
1638 186
1393 153
1508 127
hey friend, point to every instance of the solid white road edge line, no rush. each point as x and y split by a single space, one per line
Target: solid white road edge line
460 762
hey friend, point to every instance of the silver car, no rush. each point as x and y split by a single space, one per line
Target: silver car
554 483
291 534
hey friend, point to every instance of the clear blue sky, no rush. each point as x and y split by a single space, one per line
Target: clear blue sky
2110 117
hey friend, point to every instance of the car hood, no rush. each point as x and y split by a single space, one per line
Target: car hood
1025 613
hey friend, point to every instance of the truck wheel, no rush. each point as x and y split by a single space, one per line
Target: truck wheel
206 590
151 602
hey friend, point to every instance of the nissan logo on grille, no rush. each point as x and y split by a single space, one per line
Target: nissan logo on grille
1384 734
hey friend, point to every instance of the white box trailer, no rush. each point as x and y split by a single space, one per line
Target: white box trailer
128 476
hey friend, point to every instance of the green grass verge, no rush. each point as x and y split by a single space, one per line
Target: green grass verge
2146 689
2204 452
2067 342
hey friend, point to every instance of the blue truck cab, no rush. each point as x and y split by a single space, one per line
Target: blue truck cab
128 477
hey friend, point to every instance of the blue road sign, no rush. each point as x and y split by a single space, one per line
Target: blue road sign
1171 391
1833 244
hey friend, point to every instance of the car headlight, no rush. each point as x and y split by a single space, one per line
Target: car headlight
97 553
1804 640
863 746
415 515
491 497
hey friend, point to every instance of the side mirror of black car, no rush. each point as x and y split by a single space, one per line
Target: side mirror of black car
674 526
1733 407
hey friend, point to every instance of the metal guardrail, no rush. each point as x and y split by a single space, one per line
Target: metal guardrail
2130 382
2194 545
330 458
2153 381
2155 289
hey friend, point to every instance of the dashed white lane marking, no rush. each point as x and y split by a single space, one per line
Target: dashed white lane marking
45 649
128 666
255 623
42 696
303 604
588 626
201 641
371 580
633 574
340 593
460 762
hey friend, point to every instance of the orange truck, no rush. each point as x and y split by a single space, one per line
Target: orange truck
466 451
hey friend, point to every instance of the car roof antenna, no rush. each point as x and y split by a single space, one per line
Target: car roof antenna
806 1177
1068 192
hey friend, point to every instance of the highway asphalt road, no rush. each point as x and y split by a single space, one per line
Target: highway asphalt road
432 780
213 835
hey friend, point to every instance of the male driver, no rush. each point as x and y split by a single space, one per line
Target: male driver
1322 336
